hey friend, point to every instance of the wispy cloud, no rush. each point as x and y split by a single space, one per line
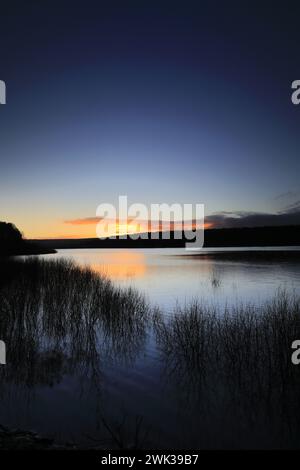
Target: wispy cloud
144 224
292 208
224 219
286 195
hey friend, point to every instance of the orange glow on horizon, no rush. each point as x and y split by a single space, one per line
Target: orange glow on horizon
81 228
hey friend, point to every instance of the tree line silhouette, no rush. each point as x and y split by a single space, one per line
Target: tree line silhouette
13 243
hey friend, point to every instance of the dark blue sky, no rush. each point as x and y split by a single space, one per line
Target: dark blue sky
164 102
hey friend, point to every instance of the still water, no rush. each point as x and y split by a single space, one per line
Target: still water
170 276
129 396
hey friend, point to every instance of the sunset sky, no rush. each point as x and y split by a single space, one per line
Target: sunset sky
185 102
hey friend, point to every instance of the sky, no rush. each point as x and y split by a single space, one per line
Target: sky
164 102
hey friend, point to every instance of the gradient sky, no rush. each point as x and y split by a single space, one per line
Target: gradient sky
161 101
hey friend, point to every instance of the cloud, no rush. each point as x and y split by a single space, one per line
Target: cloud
292 208
156 225
225 219
291 216
286 195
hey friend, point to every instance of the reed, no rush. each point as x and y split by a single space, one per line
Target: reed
58 317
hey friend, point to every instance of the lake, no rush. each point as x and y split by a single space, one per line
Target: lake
130 393
168 276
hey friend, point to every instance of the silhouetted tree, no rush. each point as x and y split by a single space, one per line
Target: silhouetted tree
12 243
10 238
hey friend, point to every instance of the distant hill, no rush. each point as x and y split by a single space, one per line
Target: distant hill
229 237
13 243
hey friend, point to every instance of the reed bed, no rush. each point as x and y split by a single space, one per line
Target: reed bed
56 317
237 363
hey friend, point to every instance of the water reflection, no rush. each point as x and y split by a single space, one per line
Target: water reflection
58 320
169 275
121 264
